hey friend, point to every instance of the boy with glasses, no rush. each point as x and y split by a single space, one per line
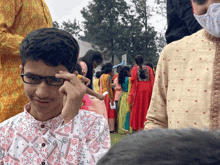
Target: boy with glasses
52 129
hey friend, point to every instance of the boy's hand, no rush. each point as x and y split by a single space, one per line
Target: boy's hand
73 92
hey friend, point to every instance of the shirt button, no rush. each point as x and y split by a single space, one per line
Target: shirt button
43 163
43 144
42 126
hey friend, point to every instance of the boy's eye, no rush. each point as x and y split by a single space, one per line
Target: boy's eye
54 79
200 2
32 77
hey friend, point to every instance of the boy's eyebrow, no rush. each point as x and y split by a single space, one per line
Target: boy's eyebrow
30 74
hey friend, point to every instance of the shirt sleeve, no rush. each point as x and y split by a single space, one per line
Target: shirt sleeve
97 143
157 112
9 43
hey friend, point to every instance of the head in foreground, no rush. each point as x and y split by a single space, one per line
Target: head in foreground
45 52
164 146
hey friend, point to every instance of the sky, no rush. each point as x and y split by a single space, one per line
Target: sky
64 10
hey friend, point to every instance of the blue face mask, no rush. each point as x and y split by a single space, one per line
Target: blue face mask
211 20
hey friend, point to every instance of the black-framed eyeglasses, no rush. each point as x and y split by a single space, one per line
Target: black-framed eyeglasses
34 79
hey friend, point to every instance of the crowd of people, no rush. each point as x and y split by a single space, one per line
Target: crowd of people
53 110
130 90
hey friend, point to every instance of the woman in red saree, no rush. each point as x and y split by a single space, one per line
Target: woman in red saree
142 80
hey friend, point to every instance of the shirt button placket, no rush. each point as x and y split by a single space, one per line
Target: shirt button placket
43 163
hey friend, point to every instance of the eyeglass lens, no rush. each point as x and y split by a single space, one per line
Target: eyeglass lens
32 79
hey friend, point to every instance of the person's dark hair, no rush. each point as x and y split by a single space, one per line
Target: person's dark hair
139 61
123 72
98 74
52 46
78 68
118 68
166 147
90 57
107 68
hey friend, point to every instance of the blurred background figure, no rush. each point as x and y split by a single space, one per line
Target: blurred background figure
17 19
90 61
124 79
117 94
142 80
106 86
180 20
96 82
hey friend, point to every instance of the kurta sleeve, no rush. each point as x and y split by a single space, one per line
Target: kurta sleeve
97 142
157 113
9 43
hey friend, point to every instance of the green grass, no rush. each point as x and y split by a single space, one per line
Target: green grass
116 137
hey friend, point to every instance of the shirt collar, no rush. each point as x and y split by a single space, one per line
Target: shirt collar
53 123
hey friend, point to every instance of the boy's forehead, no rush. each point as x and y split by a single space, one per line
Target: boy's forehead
41 68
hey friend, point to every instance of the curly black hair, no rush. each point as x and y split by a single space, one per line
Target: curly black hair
53 46
123 72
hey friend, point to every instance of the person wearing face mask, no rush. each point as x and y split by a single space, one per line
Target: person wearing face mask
187 86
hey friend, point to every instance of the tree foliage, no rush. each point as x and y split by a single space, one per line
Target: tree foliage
117 28
71 27
102 24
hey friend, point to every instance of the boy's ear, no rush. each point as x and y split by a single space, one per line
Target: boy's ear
21 67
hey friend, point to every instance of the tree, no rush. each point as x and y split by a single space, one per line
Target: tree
161 42
56 25
70 27
102 22
119 29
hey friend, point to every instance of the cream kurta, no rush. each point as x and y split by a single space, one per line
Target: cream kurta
183 94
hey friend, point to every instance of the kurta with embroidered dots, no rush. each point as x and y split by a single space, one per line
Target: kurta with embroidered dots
17 19
24 140
187 86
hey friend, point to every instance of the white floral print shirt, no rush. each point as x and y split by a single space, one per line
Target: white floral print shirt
83 140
